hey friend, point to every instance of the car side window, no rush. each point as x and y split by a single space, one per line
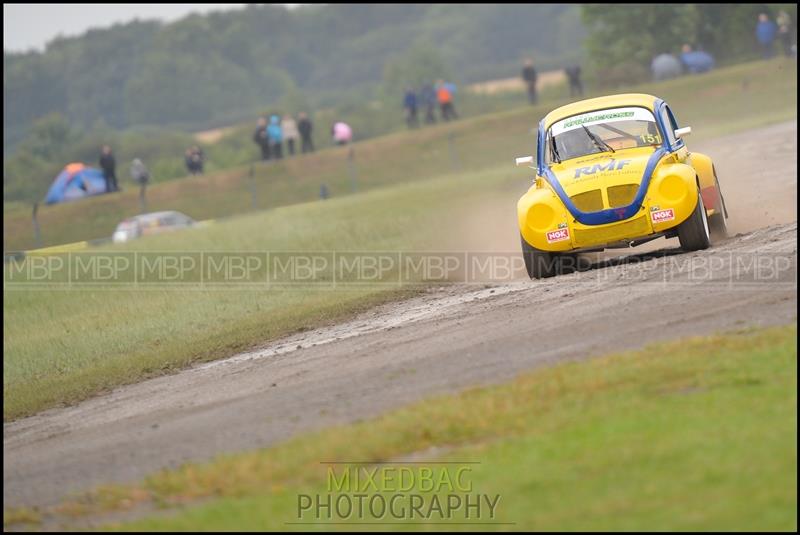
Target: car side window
669 125
545 152
671 117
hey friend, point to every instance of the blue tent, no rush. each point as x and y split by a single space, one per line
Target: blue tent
76 181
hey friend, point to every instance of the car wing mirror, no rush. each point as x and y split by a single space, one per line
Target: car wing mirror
683 132
524 160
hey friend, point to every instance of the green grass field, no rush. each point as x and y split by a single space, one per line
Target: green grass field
733 98
64 346
698 434
61 346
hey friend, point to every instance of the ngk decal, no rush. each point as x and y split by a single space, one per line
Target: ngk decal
558 235
659 216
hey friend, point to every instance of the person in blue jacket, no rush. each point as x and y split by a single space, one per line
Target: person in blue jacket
765 34
275 135
410 106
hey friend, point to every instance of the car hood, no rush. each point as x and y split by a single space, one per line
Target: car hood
602 170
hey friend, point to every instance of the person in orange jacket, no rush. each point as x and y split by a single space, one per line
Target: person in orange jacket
444 94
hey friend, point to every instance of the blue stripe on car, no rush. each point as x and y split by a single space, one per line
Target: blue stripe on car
611 215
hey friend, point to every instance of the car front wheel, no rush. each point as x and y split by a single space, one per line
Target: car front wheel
539 264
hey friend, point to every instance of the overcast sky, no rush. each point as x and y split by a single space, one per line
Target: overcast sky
27 26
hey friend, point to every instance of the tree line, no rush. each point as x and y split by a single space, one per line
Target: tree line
204 70
622 39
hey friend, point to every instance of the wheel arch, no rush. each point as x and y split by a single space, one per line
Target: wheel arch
704 167
706 180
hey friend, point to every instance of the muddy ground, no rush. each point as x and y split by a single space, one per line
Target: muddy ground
448 339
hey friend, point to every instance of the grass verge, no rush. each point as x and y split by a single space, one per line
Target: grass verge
698 434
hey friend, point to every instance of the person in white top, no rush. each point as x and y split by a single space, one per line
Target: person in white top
290 132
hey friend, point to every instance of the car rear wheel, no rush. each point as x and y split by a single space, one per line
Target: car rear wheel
718 226
539 264
717 223
693 233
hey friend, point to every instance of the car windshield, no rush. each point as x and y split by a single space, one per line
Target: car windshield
174 220
606 130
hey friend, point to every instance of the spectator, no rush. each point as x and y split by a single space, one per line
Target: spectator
574 77
529 77
195 158
410 106
141 176
784 22
187 158
696 61
260 138
139 172
765 34
428 97
275 135
342 133
290 133
445 97
109 166
305 126
665 66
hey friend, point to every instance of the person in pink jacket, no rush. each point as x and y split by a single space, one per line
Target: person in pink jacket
342 133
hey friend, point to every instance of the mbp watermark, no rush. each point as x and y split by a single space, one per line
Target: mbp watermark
431 492
340 270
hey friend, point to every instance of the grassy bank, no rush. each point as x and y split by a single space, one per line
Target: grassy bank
699 434
64 345
729 99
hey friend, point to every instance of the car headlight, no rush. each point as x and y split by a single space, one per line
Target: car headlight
673 188
541 217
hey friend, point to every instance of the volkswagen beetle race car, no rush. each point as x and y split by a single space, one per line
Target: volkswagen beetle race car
615 172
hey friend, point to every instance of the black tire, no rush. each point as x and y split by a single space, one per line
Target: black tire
693 233
717 223
539 264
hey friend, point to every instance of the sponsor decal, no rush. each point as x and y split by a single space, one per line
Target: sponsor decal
613 165
558 235
562 225
611 115
601 117
659 216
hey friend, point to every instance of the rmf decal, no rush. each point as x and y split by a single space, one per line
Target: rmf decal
610 166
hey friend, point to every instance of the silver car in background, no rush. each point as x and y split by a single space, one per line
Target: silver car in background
152 223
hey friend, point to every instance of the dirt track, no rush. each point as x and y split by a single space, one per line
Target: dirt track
450 338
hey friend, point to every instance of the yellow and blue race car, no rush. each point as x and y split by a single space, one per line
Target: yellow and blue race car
614 172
